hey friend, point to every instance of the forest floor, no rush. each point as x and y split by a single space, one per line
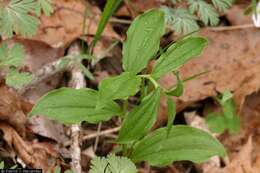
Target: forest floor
232 62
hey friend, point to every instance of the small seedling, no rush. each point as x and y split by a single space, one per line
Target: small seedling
218 122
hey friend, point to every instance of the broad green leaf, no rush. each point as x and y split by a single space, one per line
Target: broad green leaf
73 106
171 111
182 143
141 119
216 122
110 8
119 87
16 18
112 164
17 79
178 90
13 56
178 54
143 40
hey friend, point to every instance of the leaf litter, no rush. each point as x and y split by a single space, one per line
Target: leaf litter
231 64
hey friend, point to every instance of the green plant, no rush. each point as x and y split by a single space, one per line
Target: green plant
112 164
11 59
162 146
183 20
20 16
227 118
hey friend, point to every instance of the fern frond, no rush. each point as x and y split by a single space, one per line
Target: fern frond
222 5
112 164
13 56
180 20
17 79
205 11
16 18
45 6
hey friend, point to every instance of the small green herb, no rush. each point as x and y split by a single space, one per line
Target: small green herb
227 119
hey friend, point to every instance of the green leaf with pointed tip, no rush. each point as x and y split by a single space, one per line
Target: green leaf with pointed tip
143 40
110 8
141 119
178 90
119 87
182 143
70 106
171 111
178 54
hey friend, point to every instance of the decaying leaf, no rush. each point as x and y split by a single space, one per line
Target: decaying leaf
11 110
242 163
66 23
231 64
36 155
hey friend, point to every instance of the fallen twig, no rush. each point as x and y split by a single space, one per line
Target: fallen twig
230 28
101 133
77 82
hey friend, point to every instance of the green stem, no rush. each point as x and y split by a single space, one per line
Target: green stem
151 79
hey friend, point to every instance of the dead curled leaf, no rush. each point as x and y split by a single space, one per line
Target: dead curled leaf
35 155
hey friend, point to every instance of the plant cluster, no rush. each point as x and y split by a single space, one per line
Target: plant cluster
136 140
162 146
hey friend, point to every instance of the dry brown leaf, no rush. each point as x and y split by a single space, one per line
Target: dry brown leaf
233 61
137 6
236 16
11 110
66 23
36 155
47 128
242 162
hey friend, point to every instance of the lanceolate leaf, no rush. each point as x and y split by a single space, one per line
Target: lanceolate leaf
143 40
119 87
110 8
182 143
171 111
178 90
178 54
141 119
73 106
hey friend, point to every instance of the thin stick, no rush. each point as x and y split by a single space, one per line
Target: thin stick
101 133
77 82
97 137
230 28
